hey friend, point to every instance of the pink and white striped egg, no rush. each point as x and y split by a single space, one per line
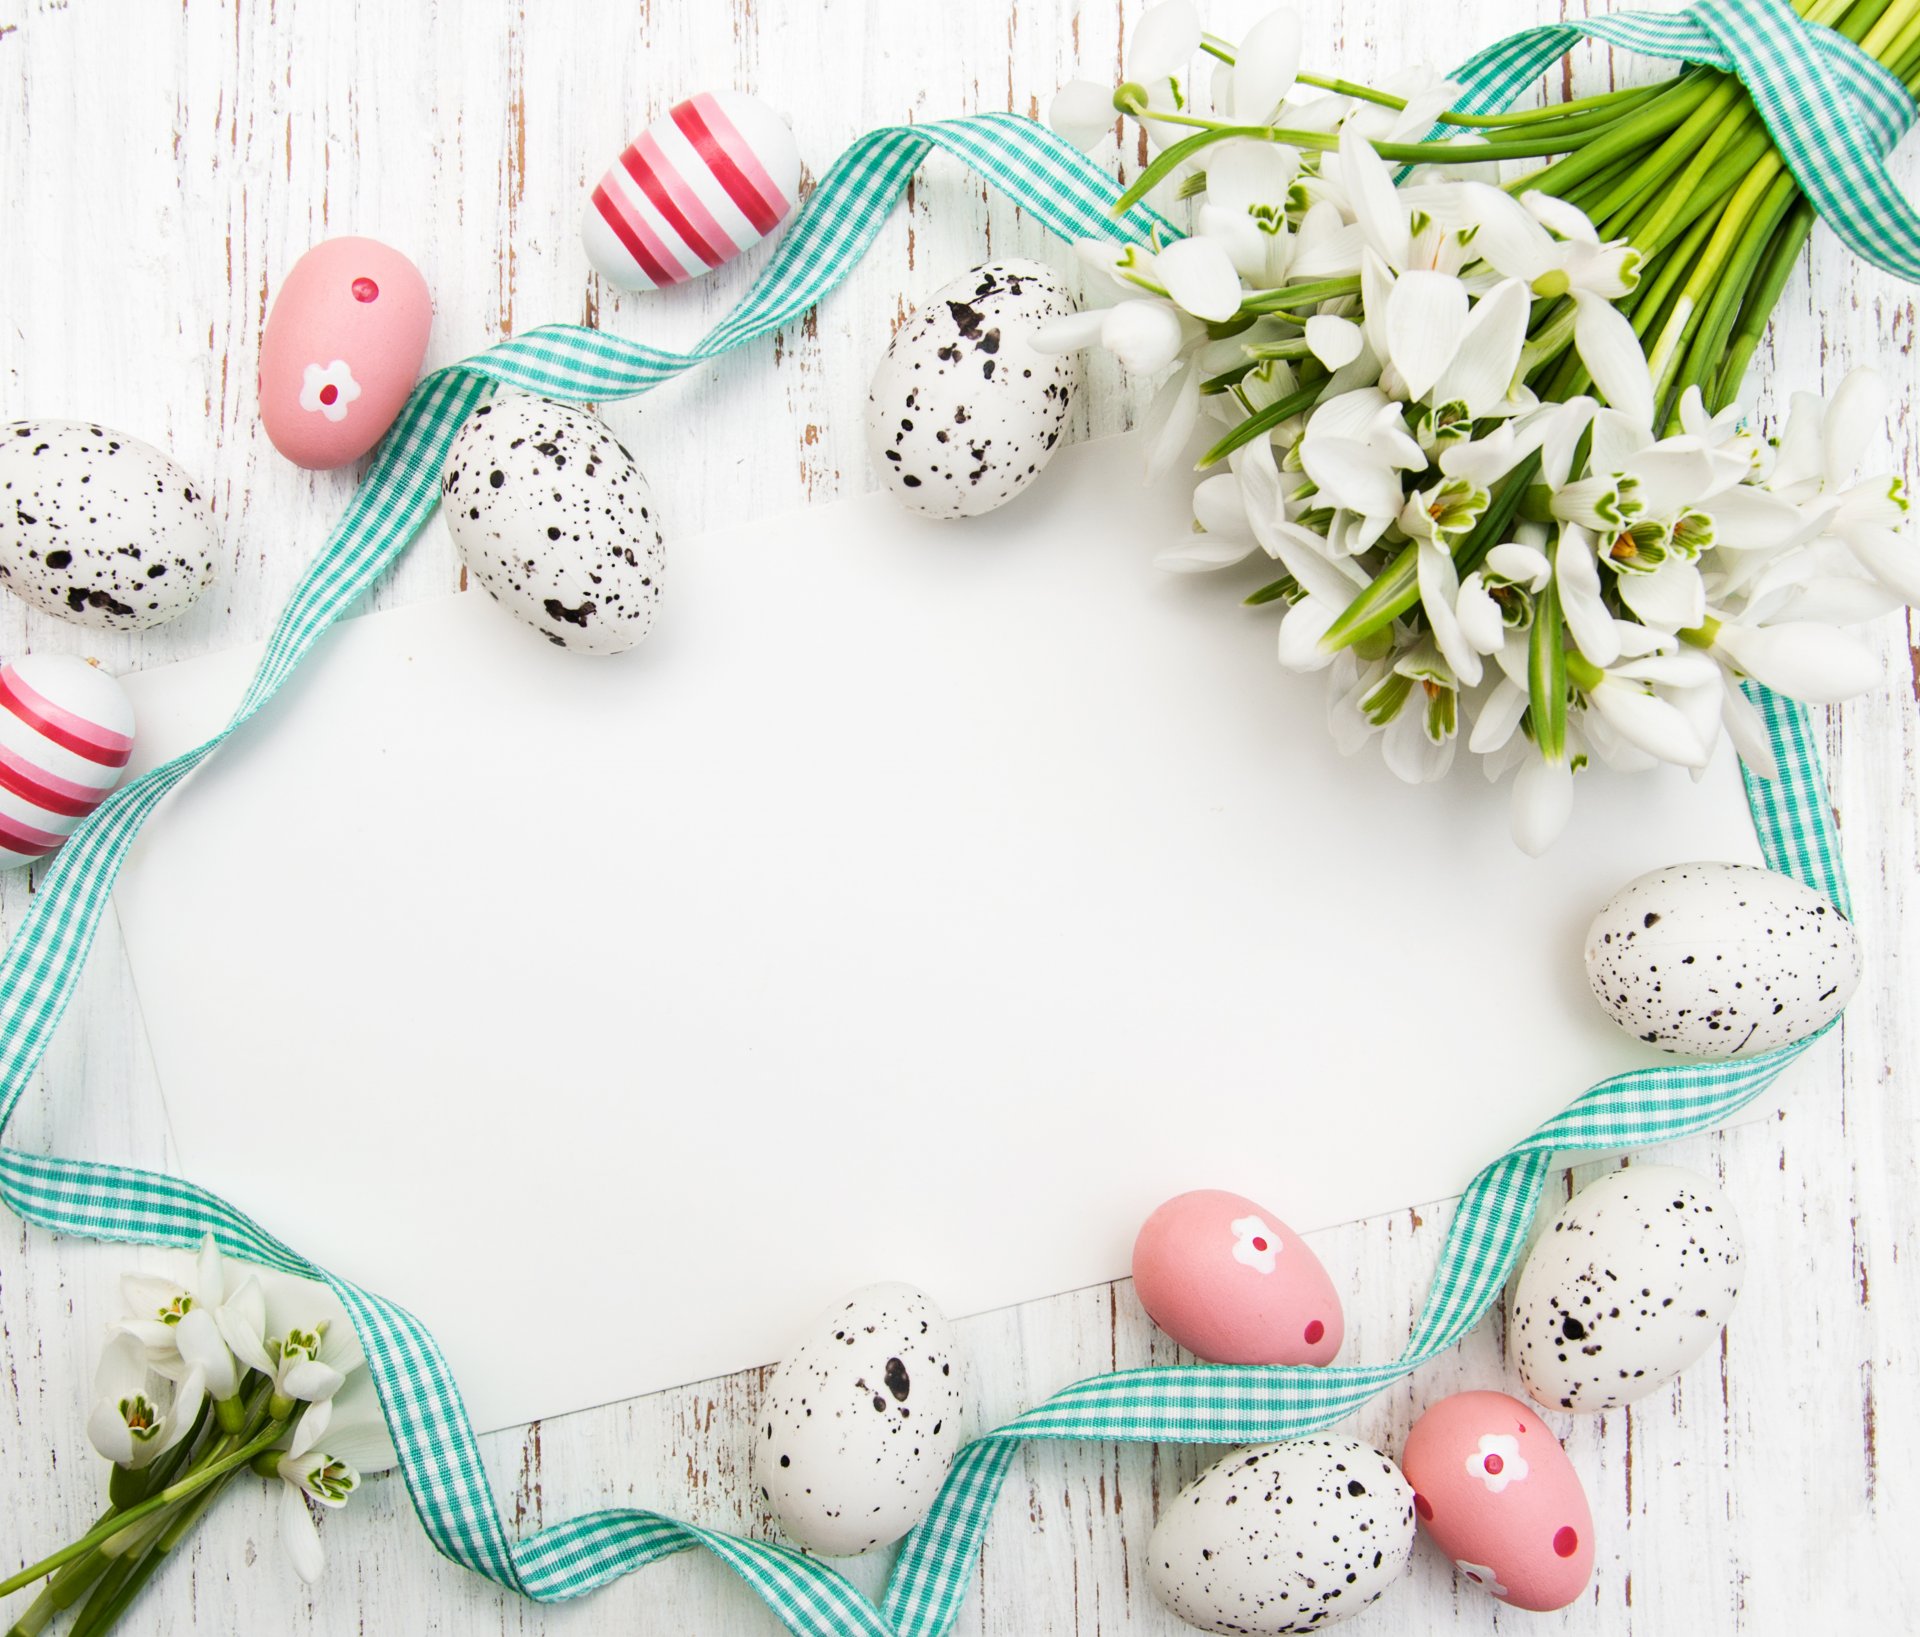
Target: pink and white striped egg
709 179
66 734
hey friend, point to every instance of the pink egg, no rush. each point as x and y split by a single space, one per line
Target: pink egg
710 178
1494 1489
1234 1284
66 734
342 350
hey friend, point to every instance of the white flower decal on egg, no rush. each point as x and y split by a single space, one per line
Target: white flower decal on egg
1481 1576
1254 1243
329 388
1497 1462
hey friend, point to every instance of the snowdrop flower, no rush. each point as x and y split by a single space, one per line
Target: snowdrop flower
1163 44
1262 74
1548 244
130 1425
356 1445
179 1327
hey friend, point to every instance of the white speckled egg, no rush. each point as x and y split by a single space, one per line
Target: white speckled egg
554 518
861 1422
1288 1537
1720 960
98 527
963 411
1627 1287
66 735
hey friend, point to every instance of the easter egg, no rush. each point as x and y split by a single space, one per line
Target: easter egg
1721 960
1233 1284
1629 1285
1497 1494
964 411
100 528
66 734
861 1422
709 179
553 517
341 351
1291 1537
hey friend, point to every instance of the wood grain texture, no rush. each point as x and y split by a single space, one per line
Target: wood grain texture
164 166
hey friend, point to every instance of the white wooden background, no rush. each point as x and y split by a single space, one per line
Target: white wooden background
161 167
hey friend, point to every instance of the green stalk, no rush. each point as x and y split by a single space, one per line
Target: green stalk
1547 675
1262 421
194 1481
1782 253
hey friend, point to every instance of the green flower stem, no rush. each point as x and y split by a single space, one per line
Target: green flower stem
191 1484
110 1602
1291 298
1547 675
1782 253
1634 133
1705 358
1262 421
1693 146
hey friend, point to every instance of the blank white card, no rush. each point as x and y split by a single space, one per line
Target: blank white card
922 901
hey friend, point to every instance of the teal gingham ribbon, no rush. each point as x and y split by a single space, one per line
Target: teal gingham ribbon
1833 112
439 1455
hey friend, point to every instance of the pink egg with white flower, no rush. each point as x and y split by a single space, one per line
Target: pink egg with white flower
706 181
66 736
1233 1284
341 351
1497 1494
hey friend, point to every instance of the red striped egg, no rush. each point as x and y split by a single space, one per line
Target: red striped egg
711 178
66 734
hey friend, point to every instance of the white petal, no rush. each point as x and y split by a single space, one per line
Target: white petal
1561 428
1578 576
1519 564
1555 214
1265 66
242 1320
1306 622
1856 422
1750 519
1483 365
1645 720
1170 420
1542 804
1199 275
1426 319
1203 554
1335 341
1164 41
298 1532
108 1432
1326 246
1083 113
1505 237
1407 750
1352 475
1611 351
1479 615
1439 587
311 1381
1069 332
1672 480
1804 661
1376 206
204 1349
122 1370
1498 718
1892 559
1673 597
1617 440
1244 173
1146 336
1747 728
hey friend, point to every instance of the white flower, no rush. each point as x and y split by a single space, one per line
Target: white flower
133 1420
356 1446
1254 1243
1481 1576
1083 113
1547 243
1498 1461
1263 72
327 389
179 1324
1163 44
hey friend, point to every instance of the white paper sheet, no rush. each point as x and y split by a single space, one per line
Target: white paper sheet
923 901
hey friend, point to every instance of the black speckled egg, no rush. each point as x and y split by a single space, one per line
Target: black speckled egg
963 411
553 517
100 528
1286 1538
1629 1285
1720 960
861 1422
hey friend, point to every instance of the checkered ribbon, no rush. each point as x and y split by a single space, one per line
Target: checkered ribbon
1833 112
439 1455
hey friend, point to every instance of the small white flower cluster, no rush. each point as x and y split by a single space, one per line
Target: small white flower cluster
1446 535
219 1338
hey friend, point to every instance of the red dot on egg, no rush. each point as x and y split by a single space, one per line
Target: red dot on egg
329 393
1423 1506
1315 1330
1259 1244
1566 1543
365 289
1495 1466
